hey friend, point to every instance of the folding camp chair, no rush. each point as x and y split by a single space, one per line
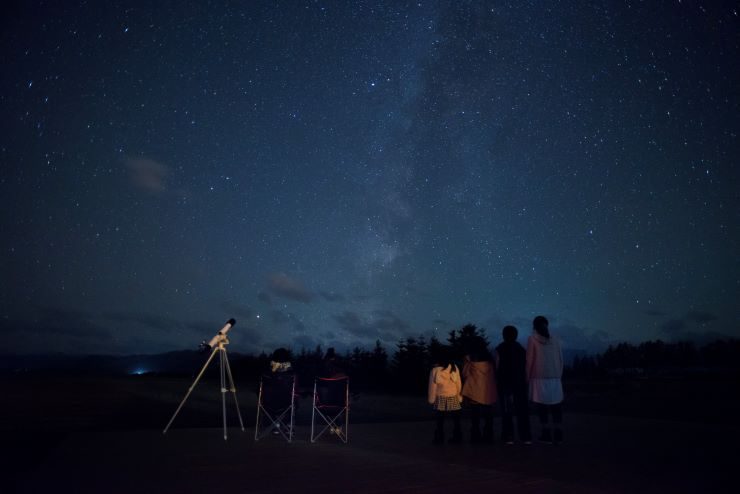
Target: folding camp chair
330 408
276 406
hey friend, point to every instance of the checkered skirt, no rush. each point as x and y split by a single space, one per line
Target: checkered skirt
447 403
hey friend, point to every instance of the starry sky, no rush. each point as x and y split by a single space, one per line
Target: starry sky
341 172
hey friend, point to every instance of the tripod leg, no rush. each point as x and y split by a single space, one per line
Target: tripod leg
233 388
313 411
223 387
346 413
190 390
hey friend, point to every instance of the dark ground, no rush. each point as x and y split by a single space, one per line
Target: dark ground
86 434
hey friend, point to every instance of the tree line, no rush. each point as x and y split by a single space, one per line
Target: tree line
406 370
658 357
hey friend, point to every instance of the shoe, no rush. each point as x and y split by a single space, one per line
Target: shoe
438 439
509 442
527 442
558 436
487 437
546 436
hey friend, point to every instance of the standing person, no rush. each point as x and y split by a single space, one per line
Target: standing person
479 390
544 372
511 361
444 395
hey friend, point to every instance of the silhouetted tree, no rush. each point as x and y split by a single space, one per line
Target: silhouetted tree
410 365
467 337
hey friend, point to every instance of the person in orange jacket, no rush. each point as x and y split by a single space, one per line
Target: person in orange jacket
479 389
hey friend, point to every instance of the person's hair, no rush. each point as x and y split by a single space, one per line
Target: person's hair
540 326
477 349
281 355
510 333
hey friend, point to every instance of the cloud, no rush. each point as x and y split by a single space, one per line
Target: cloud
332 296
352 323
287 321
384 325
278 317
693 326
388 321
148 320
655 313
282 285
65 331
264 297
236 310
575 337
700 317
147 174
305 341
673 326
246 336
148 330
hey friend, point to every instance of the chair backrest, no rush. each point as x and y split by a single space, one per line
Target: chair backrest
332 392
277 390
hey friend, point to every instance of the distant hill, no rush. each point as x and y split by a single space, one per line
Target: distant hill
570 354
186 362
180 362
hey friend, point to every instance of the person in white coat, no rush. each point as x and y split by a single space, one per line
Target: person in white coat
544 373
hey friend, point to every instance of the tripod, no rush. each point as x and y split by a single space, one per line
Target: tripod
225 373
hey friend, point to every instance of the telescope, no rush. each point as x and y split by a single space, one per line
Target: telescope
218 345
220 336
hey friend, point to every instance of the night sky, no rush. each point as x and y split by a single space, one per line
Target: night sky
340 172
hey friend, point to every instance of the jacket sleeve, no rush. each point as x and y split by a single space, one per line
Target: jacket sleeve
530 357
458 386
560 360
432 390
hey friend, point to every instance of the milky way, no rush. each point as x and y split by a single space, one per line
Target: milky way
336 173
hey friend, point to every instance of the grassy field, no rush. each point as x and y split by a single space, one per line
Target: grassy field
68 403
628 435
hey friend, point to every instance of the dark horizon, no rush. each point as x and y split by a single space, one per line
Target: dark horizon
684 354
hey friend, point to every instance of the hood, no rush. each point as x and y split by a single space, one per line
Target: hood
279 366
481 367
541 339
449 373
